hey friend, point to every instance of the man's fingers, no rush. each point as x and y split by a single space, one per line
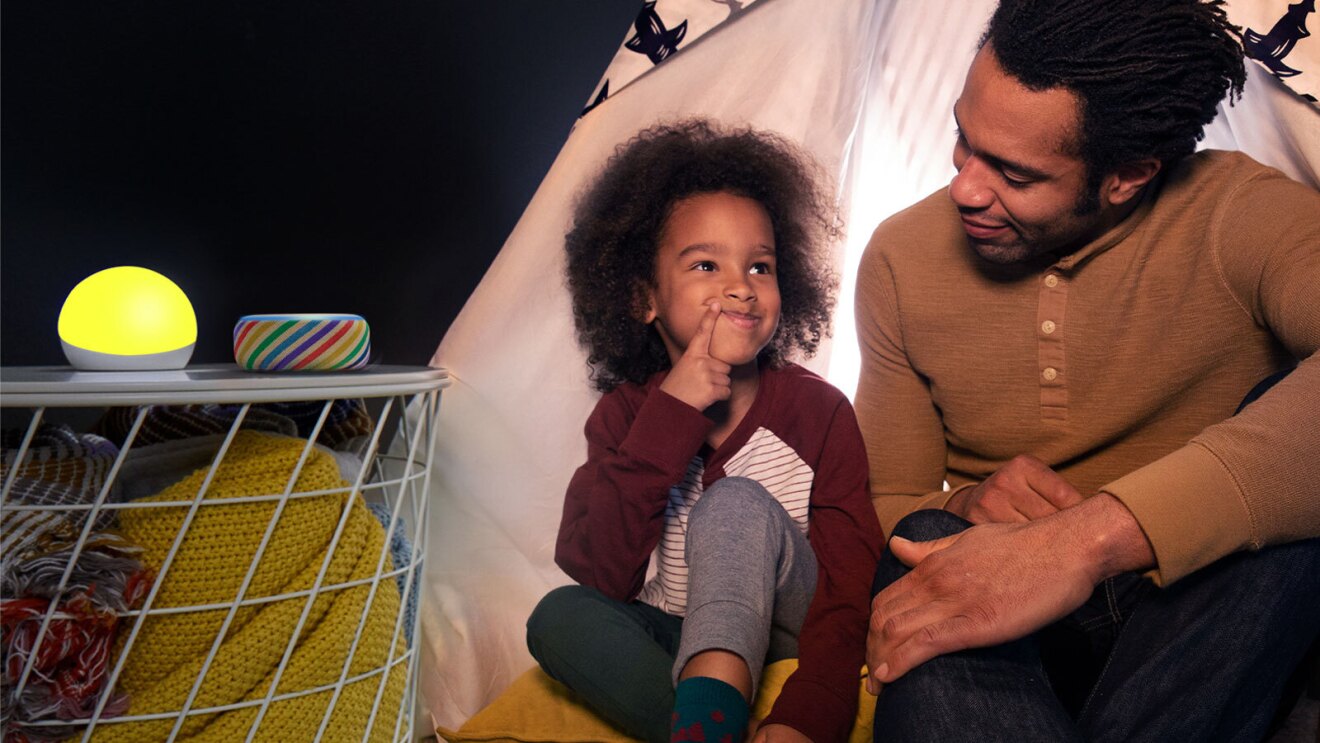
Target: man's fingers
1061 493
893 629
700 344
910 553
873 654
908 639
1050 484
996 506
928 641
1031 507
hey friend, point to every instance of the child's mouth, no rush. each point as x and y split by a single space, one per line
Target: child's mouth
740 319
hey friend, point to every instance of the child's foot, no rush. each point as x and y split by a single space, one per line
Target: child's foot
707 710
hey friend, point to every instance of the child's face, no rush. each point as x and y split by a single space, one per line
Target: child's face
716 247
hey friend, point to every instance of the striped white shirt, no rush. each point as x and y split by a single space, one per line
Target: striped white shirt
766 459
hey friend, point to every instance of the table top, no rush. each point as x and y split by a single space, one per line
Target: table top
64 386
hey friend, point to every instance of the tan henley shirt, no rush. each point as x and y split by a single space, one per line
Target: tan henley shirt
1119 365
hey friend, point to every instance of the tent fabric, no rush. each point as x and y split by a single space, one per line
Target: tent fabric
1274 33
662 29
867 87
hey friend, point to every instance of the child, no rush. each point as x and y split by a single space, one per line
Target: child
697 264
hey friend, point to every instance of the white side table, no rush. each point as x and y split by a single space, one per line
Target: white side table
391 475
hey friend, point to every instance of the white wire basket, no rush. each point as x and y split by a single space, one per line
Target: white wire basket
247 584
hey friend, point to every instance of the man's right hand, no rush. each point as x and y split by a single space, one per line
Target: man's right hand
997 582
1023 490
699 379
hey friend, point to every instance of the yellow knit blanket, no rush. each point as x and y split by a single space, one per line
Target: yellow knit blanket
215 554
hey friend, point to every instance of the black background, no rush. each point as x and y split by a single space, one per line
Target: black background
282 155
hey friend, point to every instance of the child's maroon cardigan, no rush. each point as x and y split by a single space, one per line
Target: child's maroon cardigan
640 442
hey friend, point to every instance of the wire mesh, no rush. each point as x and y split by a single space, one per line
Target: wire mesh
278 605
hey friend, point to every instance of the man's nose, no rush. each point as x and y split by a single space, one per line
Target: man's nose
970 187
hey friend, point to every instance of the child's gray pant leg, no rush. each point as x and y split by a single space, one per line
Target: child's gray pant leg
751 576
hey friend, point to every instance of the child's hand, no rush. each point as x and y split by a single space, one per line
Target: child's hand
698 379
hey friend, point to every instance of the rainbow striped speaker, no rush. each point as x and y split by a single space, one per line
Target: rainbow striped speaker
269 343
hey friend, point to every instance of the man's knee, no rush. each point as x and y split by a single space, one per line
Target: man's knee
918 526
928 524
1262 387
1288 569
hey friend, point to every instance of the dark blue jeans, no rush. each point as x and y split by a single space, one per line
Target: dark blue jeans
1205 659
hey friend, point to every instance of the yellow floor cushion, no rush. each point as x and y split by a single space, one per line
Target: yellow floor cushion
537 709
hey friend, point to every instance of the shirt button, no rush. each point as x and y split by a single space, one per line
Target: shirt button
1047 327
1050 374
1051 281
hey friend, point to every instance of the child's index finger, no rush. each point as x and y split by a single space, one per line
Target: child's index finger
706 330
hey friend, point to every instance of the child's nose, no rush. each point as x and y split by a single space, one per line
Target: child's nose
740 290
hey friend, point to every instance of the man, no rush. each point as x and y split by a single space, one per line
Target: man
1064 335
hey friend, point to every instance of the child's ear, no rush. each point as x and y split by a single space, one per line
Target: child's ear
644 305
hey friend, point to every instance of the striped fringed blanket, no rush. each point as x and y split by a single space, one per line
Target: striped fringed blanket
78 461
40 528
173 422
71 663
346 421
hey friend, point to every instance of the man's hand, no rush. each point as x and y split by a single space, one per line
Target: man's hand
1023 490
997 582
699 379
778 734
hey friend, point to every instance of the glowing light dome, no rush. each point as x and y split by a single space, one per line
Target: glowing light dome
127 318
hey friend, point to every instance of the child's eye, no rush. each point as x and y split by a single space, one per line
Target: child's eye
762 268
703 266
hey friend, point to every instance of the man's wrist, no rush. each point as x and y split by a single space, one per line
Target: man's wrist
1108 536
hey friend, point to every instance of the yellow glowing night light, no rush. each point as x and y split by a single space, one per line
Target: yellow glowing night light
127 318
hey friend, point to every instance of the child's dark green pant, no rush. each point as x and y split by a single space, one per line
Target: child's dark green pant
751 576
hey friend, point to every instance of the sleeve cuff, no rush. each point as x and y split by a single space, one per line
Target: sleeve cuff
811 708
1190 508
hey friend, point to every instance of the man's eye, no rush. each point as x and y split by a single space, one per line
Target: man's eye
1017 181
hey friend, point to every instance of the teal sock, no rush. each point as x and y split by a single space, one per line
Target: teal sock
707 710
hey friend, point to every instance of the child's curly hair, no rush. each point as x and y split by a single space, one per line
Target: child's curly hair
616 232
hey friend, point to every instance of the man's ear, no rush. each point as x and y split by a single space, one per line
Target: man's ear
1127 180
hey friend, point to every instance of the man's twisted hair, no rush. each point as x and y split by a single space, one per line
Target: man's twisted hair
1148 73
619 219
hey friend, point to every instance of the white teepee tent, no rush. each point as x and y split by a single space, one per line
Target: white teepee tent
867 87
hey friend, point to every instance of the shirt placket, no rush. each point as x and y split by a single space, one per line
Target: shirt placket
1052 363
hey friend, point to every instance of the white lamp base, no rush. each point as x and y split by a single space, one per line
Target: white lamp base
85 360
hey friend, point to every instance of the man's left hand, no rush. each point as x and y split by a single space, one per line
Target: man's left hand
995 583
779 734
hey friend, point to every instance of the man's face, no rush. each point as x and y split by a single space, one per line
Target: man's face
1020 188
